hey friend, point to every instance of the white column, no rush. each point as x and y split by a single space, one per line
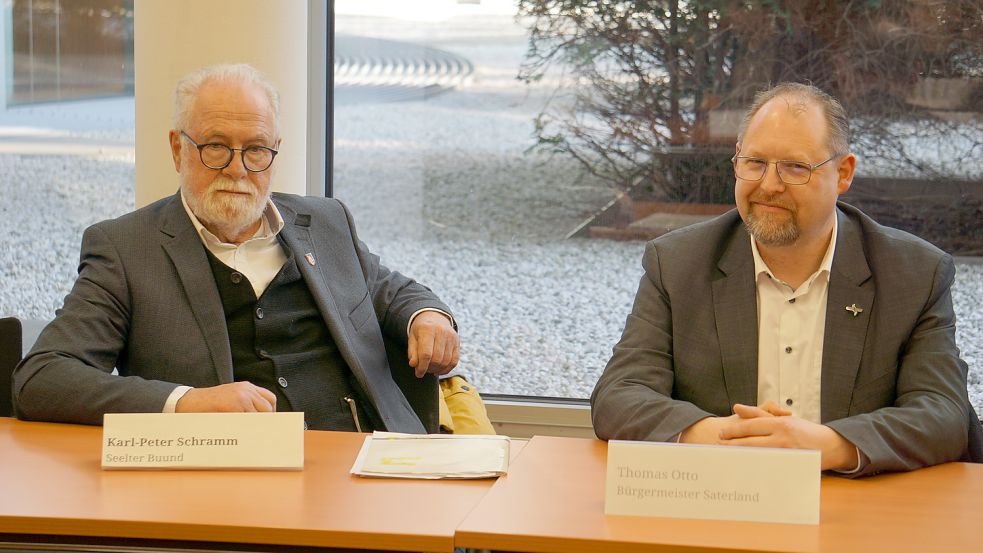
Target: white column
6 52
175 37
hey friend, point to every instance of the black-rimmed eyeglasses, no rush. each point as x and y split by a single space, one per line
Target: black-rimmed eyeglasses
255 159
794 173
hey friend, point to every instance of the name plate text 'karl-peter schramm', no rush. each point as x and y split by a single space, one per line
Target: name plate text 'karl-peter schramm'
255 441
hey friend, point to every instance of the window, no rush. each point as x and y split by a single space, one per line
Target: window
63 50
431 129
495 190
515 155
66 142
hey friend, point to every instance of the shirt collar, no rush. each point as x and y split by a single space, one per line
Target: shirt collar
760 267
272 224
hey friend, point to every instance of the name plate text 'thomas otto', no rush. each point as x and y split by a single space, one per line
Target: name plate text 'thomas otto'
712 482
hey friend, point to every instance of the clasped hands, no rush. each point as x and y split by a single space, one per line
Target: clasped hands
434 347
769 425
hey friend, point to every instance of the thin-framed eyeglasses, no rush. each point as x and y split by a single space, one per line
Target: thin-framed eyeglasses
795 173
255 159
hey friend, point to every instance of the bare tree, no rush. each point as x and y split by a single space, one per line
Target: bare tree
649 83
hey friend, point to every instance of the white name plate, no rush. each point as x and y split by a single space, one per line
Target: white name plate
713 482
255 441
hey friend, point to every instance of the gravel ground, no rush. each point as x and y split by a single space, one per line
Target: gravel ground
539 314
460 205
444 191
47 201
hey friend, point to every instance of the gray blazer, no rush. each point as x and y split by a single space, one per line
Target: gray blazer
146 303
892 380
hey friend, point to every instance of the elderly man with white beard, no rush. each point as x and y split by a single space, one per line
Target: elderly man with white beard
228 297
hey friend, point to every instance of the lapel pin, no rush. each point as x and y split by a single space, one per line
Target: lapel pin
310 259
854 309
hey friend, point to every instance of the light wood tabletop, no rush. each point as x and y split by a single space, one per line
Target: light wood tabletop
51 483
553 500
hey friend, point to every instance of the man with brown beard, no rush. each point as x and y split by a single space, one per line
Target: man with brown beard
227 297
795 320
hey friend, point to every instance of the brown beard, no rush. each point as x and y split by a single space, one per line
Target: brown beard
766 229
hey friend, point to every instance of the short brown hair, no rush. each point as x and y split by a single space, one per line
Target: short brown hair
837 123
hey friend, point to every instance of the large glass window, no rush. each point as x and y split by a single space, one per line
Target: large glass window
66 163
431 132
515 155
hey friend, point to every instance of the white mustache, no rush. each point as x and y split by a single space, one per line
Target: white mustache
225 184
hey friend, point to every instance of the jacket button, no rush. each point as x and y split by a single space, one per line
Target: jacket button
259 312
788 349
236 278
788 402
282 382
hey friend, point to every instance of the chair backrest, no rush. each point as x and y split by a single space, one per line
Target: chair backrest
10 355
421 393
974 450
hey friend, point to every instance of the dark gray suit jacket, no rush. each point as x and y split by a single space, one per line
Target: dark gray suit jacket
892 380
146 303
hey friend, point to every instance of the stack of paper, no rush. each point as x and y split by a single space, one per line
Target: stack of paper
433 456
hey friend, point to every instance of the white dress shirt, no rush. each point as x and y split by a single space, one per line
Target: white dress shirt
259 258
791 333
791 329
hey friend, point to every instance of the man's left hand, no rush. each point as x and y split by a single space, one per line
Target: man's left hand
760 427
433 344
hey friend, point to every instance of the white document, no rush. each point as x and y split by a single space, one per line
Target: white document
433 456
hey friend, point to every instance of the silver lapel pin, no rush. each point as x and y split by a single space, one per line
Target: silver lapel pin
310 259
854 309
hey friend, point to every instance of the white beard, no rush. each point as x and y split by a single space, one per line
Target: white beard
226 215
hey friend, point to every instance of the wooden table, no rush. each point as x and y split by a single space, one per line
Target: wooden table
51 484
553 500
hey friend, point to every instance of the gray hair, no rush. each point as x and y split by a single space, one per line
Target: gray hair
837 123
187 89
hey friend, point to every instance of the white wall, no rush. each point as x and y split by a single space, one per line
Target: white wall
174 37
6 41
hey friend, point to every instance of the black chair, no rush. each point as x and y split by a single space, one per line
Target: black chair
10 354
421 393
974 450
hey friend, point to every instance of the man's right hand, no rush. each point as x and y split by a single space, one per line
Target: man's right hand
237 397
